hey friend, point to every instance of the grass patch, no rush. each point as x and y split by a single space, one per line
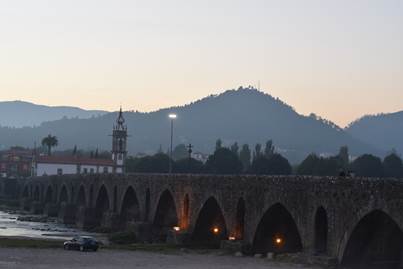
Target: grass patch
9 204
164 248
128 237
29 243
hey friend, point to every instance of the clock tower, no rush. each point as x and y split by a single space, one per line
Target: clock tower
119 144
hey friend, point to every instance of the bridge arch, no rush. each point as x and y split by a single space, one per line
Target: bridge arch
64 195
130 207
210 227
49 195
185 212
91 200
277 232
115 198
102 204
321 231
166 216
81 197
37 193
240 219
25 192
376 240
147 205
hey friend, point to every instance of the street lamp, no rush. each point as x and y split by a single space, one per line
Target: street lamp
172 117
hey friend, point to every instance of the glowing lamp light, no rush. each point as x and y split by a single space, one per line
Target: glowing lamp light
216 230
176 229
278 241
231 238
172 116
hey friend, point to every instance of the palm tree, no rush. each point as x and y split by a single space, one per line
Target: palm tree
50 142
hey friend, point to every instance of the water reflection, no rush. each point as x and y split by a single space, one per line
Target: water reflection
10 226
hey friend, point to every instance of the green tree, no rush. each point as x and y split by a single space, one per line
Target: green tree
368 165
49 142
235 148
223 161
258 151
75 150
275 165
308 166
269 149
180 152
218 144
328 167
187 165
245 156
344 157
318 166
158 163
393 166
279 165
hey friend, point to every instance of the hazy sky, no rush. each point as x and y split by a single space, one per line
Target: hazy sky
339 59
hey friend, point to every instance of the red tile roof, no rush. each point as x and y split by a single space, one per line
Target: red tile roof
74 160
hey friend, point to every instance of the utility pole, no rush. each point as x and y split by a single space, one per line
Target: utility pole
172 117
190 155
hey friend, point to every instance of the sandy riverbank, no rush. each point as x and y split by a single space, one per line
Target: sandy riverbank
18 258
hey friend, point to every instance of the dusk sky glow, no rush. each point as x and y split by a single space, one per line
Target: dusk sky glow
338 59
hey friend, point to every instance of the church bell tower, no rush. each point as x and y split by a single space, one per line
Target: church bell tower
119 144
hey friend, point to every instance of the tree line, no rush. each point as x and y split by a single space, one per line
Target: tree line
225 160
366 165
264 160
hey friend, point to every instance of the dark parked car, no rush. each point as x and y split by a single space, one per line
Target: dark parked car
81 243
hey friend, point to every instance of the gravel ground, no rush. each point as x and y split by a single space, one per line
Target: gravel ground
56 258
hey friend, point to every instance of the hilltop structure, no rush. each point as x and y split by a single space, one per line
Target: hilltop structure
65 165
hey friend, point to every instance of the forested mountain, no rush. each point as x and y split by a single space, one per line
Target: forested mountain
383 130
22 114
243 115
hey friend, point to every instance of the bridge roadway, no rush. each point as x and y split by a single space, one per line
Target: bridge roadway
355 220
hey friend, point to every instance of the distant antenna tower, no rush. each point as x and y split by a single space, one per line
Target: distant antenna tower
258 85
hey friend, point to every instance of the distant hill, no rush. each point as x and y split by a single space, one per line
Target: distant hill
22 114
243 115
384 131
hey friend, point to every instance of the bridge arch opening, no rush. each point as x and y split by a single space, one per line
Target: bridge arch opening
81 199
321 231
72 194
165 217
115 198
49 195
210 226
240 219
186 208
130 210
101 205
25 192
147 205
91 201
277 232
376 242
37 194
63 197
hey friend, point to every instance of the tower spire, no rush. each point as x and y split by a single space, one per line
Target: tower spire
119 143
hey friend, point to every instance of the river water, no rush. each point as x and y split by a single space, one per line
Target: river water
10 226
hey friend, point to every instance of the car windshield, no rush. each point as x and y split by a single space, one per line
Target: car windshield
87 239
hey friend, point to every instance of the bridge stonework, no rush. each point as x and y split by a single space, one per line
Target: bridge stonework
345 202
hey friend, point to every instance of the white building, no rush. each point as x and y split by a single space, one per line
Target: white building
67 165
62 165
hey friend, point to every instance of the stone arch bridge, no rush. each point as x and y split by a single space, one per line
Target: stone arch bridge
354 220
